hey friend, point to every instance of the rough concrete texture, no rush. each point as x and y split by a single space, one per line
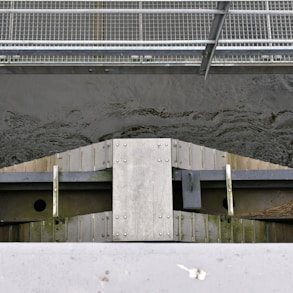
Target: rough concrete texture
145 268
251 115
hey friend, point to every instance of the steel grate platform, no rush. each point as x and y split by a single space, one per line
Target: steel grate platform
94 32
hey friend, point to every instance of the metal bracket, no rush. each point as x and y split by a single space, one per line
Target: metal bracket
191 191
229 191
55 192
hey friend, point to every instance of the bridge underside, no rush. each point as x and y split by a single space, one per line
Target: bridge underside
146 190
109 36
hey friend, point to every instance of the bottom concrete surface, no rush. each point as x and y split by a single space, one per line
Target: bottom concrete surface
145 267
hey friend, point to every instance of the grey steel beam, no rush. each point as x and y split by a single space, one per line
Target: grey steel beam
240 175
215 32
261 12
97 180
106 176
37 205
158 68
149 51
107 1
254 51
241 178
64 177
258 194
146 11
210 178
103 51
41 43
120 42
111 11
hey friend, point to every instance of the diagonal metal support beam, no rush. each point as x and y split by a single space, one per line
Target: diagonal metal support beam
215 32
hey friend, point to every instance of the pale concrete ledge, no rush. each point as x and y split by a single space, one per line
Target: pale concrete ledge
141 267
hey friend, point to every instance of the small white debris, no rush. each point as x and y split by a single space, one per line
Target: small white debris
201 274
194 273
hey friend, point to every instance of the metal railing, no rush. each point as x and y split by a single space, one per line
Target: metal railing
146 32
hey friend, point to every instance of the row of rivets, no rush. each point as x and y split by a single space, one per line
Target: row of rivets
125 234
159 145
125 144
117 217
125 161
161 234
160 216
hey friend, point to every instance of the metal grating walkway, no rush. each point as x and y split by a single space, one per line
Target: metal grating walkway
203 34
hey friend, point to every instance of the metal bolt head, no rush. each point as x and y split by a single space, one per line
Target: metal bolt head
125 144
160 233
125 234
116 217
160 216
125 217
117 234
124 161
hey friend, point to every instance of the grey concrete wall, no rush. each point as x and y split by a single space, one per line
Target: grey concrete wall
251 115
145 268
